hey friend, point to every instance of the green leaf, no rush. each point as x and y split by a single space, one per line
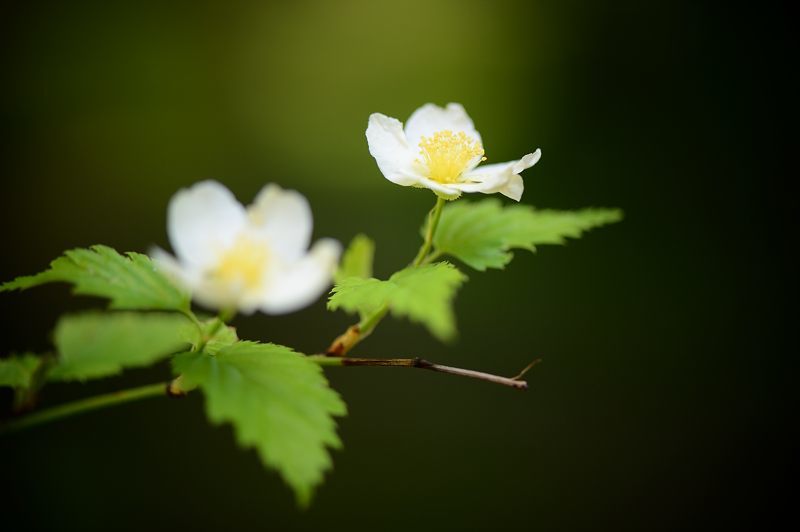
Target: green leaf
357 260
97 345
481 234
130 282
279 403
17 371
362 296
424 295
212 334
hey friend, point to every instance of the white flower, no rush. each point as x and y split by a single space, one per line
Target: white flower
248 259
440 150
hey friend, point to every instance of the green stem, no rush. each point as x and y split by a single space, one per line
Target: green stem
432 257
433 223
190 315
369 323
225 315
356 333
83 405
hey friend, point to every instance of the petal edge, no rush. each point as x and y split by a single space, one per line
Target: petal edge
387 144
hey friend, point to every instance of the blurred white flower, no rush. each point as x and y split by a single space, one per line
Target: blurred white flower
440 150
254 258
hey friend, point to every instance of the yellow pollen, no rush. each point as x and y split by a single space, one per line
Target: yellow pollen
447 154
243 264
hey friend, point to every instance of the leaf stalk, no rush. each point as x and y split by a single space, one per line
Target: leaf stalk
83 405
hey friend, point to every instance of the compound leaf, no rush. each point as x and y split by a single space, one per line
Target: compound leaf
357 259
481 234
129 281
424 295
96 345
278 402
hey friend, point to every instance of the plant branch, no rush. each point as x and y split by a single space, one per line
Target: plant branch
346 341
421 363
173 389
334 356
83 405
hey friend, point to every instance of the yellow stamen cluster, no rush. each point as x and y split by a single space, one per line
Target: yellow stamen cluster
447 154
243 264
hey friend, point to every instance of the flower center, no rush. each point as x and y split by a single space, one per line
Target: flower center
243 263
447 154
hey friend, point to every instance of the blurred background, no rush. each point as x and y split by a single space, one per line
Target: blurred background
662 401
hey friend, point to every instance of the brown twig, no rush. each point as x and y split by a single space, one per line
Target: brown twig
421 363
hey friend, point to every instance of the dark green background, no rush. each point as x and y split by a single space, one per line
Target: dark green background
662 399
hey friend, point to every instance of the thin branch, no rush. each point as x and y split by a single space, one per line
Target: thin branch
174 389
346 341
421 363
480 375
526 369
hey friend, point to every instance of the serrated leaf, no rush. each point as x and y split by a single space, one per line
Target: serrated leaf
131 282
17 371
212 334
98 345
279 403
361 296
481 234
357 259
423 295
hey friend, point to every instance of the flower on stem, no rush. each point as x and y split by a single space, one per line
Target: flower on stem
440 149
254 258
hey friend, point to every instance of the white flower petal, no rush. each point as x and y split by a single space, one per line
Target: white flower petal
488 176
169 266
213 294
449 191
206 291
431 118
527 161
284 219
387 144
300 284
513 188
501 177
203 221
